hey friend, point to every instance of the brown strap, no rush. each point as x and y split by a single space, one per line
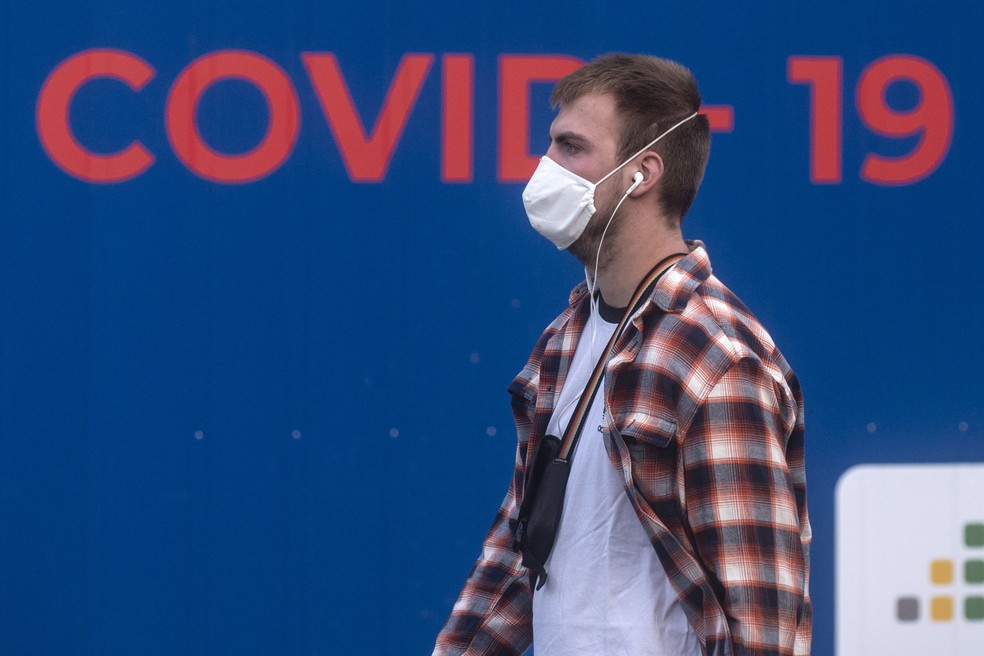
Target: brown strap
591 388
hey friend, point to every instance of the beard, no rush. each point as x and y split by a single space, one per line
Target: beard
585 248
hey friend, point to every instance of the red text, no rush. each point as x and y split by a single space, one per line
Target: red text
366 153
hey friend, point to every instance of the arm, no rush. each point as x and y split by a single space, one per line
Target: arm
746 505
493 614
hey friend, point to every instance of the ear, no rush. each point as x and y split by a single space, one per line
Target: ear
651 166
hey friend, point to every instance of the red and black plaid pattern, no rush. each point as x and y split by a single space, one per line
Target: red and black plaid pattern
705 426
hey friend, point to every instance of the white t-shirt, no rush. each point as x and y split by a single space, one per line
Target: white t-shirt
606 591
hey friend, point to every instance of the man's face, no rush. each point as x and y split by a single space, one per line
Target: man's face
584 140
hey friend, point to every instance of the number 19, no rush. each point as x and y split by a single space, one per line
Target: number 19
931 118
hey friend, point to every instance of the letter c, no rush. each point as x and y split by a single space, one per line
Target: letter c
55 103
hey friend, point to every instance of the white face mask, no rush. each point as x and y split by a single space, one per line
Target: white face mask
560 203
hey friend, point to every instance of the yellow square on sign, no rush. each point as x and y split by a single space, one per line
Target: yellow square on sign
941 572
941 609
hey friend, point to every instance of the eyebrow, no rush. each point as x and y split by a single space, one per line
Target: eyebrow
568 135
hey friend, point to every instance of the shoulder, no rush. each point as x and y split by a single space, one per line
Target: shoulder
700 329
557 339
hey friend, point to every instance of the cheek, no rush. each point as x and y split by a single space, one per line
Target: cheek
606 197
571 163
578 163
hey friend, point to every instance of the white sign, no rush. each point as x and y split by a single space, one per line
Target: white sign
910 560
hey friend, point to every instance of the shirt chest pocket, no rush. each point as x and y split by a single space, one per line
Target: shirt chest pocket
651 442
649 430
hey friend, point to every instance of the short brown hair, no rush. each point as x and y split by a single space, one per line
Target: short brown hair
651 95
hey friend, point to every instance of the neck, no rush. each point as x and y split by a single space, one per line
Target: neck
638 251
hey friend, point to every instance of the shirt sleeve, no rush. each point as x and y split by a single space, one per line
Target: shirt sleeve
746 505
493 614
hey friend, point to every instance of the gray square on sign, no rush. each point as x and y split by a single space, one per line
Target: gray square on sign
907 609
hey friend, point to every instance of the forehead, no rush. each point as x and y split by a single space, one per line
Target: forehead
591 116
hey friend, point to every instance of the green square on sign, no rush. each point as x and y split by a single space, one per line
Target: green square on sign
974 535
974 608
974 571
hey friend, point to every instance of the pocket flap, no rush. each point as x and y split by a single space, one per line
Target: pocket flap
656 430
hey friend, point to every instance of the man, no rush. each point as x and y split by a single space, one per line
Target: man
684 528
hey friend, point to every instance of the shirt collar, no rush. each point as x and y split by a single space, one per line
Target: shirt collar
674 289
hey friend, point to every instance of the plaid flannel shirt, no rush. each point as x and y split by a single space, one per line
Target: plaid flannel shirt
706 429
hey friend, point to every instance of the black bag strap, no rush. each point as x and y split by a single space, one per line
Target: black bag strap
642 292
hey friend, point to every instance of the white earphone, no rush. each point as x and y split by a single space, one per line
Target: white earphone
637 179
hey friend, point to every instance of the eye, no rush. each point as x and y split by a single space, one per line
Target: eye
567 146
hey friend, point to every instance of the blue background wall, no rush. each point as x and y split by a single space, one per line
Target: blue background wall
270 418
